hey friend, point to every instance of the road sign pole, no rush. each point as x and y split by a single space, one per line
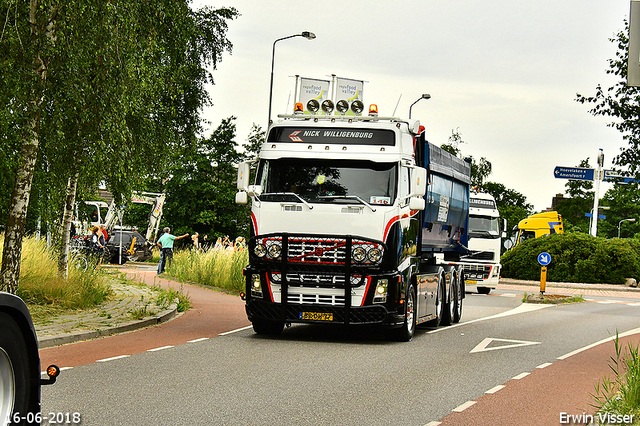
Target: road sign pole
543 279
596 195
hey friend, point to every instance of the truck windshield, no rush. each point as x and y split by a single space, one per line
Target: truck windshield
328 181
484 227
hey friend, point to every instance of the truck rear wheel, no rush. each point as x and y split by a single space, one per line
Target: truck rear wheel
456 298
268 327
15 380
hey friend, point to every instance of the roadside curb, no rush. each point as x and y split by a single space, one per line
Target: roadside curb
62 339
585 286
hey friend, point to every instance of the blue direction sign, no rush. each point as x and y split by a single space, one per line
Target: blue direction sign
579 173
614 176
544 258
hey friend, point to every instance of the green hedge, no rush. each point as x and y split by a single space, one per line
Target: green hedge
575 257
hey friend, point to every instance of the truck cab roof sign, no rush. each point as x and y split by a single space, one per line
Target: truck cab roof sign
342 136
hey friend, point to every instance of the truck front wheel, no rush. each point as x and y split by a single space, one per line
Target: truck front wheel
408 329
15 380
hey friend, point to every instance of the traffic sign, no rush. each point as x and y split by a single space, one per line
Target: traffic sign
579 173
544 258
615 176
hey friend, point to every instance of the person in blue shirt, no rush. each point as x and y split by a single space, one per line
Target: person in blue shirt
165 242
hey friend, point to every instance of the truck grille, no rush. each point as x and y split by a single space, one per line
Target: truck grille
477 272
315 250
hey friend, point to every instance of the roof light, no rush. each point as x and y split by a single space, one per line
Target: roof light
298 108
328 106
357 107
342 106
313 106
373 109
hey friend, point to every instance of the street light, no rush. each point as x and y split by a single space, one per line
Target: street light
306 34
624 220
424 96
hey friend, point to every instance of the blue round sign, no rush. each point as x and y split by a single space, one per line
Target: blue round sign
544 258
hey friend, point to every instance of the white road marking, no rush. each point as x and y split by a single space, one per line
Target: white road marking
159 349
524 308
235 331
520 376
546 364
461 408
495 389
482 346
434 423
202 339
113 358
577 351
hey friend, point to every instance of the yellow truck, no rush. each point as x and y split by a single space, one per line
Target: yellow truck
535 226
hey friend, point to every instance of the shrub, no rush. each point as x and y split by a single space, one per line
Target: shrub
575 257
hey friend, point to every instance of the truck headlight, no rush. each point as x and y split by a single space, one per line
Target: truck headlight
375 255
256 286
381 291
275 250
359 254
260 250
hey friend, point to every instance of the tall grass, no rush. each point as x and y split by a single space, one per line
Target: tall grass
216 268
620 394
41 286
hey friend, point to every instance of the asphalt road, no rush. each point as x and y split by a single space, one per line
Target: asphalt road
326 376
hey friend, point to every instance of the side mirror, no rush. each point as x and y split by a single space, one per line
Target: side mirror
418 182
417 203
241 197
243 176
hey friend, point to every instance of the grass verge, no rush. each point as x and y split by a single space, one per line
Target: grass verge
47 294
215 268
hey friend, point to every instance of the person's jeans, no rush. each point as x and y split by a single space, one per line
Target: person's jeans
166 256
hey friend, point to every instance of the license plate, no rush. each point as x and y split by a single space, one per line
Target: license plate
316 316
471 281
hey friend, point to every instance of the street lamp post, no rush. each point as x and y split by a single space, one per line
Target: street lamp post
424 96
306 34
624 220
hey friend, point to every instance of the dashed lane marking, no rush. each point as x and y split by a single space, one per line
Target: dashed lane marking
113 358
520 376
495 389
159 349
235 331
202 339
461 408
546 364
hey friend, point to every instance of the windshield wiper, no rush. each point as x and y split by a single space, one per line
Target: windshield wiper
302 200
348 197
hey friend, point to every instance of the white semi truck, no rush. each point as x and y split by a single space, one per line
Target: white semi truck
486 230
355 219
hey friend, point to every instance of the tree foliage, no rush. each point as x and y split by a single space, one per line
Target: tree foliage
100 90
622 103
201 190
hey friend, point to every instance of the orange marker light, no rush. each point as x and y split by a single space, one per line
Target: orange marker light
373 109
298 107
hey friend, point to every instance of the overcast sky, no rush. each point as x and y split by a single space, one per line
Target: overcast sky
504 73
